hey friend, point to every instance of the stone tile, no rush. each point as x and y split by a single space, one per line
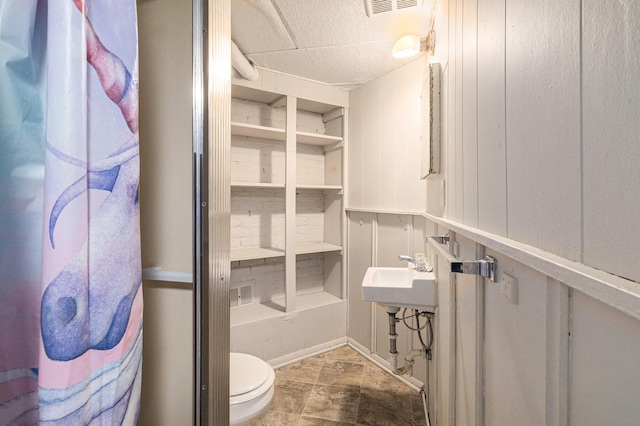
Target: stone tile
274 418
306 371
417 410
314 421
349 389
345 354
340 373
381 408
290 396
333 403
375 378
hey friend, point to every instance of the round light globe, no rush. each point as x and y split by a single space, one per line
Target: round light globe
406 47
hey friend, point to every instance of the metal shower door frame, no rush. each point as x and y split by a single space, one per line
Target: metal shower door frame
211 210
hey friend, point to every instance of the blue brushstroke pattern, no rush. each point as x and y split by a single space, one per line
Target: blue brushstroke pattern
92 180
102 398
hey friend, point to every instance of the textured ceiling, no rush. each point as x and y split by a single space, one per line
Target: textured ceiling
332 41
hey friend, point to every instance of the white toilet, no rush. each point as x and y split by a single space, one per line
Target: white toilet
250 387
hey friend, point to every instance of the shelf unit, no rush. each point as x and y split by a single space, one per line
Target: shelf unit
255 253
257 131
317 139
257 185
287 214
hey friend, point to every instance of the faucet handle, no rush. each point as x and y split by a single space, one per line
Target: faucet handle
421 262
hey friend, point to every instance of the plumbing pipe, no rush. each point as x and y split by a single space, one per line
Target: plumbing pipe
425 404
393 353
408 362
409 359
242 64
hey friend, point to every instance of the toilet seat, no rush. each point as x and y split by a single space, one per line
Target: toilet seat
249 377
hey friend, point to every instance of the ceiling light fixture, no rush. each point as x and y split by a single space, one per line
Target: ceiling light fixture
411 45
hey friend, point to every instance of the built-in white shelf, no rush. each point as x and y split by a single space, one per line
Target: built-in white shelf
269 252
269 185
317 139
276 134
314 168
319 247
256 131
321 187
266 185
255 253
246 314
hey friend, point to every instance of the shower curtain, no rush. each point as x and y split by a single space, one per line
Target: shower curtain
70 269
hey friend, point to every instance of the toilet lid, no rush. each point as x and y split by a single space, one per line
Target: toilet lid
246 373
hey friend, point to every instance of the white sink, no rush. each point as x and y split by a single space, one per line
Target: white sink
400 287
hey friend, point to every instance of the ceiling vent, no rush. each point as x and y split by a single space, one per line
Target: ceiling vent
375 7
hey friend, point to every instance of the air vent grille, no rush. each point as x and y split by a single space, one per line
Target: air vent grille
402 4
374 7
240 296
381 6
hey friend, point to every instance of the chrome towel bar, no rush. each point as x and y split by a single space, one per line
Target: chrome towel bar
484 267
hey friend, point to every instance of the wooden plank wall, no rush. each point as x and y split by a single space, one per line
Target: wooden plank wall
542 128
541 141
384 142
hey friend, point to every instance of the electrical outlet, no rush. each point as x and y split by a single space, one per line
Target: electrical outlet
509 287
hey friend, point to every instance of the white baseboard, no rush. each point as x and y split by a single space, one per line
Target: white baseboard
307 353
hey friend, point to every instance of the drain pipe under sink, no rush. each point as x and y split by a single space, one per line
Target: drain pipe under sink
393 353
408 366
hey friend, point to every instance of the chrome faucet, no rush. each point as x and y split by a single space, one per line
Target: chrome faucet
418 266
408 259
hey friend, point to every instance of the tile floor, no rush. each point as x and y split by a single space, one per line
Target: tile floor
340 387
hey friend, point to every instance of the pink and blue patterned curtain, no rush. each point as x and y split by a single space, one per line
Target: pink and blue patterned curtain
70 272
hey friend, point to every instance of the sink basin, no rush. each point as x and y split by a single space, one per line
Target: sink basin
400 287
